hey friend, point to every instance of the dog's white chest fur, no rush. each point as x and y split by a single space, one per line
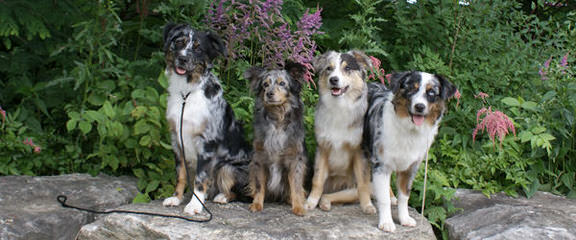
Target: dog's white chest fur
336 123
335 119
403 142
196 111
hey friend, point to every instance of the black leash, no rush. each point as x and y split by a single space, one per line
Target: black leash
189 173
63 198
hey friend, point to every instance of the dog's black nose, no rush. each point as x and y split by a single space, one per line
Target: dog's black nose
333 80
270 94
419 107
182 59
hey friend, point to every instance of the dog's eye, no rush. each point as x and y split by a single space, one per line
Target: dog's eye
282 84
347 68
179 43
328 68
265 84
431 93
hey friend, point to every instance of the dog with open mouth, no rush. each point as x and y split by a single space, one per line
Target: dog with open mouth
400 127
341 171
214 148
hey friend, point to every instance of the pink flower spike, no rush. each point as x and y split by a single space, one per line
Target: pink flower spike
542 75
375 62
495 123
547 63
481 95
457 95
37 149
564 61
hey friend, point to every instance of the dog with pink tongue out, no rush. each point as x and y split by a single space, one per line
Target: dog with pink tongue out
400 126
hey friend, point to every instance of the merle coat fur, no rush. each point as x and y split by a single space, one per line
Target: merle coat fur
278 166
400 127
214 151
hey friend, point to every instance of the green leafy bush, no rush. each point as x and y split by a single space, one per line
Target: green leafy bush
91 94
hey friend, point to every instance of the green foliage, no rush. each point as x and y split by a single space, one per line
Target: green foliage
364 33
83 81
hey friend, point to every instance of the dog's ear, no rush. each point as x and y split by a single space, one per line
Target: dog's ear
321 61
254 75
216 45
296 72
362 59
448 89
398 79
166 34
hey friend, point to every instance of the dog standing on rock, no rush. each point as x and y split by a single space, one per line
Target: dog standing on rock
214 148
401 125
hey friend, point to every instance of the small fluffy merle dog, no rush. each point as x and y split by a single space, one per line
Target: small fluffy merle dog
278 166
214 148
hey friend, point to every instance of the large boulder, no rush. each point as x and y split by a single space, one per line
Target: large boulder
29 210
544 216
235 221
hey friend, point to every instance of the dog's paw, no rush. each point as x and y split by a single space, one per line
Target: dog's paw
311 204
171 202
387 226
299 210
407 221
194 207
220 198
325 204
369 209
256 207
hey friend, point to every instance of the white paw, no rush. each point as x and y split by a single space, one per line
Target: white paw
393 201
387 226
407 221
171 202
194 207
311 204
325 204
369 209
220 198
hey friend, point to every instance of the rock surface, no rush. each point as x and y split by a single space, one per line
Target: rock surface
235 221
29 210
544 216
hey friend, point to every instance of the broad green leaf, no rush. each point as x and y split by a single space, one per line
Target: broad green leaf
145 141
525 136
92 115
85 127
153 185
108 109
538 130
547 137
71 124
568 180
513 102
139 173
141 127
96 99
141 198
529 105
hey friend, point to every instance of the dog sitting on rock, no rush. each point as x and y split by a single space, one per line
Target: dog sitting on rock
278 166
206 137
